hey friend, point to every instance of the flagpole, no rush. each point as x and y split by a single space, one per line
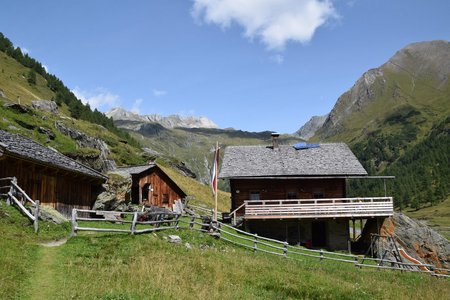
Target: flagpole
215 182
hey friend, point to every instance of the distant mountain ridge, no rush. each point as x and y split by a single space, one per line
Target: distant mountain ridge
172 121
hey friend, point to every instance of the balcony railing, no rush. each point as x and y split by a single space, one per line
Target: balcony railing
316 208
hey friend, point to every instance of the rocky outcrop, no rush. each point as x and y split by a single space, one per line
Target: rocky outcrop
16 107
308 130
171 121
116 194
100 162
418 240
45 105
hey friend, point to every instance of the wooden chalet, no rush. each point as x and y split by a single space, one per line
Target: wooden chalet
152 186
47 175
298 195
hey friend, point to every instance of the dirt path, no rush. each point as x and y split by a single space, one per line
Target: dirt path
43 284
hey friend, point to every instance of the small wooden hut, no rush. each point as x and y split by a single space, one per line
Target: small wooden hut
152 186
47 175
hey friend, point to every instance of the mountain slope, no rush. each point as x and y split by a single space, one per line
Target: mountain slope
416 76
395 119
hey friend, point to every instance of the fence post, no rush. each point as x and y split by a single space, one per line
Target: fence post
11 191
191 223
133 224
177 221
321 254
356 261
36 216
285 244
255 243
74 222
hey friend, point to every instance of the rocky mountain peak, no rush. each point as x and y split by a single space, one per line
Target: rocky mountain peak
119 114
308 130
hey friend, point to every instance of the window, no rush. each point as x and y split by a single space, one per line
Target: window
165 198
255 196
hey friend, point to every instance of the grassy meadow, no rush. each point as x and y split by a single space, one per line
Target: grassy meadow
147 266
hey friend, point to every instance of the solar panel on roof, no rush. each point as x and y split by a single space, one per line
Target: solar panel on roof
303 145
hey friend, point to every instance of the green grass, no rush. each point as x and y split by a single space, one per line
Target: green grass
147 266
437 217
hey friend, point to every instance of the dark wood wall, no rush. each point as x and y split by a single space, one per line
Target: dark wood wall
276 189
58 188
164 193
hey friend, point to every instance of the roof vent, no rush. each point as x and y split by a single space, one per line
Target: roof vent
275 136
303 145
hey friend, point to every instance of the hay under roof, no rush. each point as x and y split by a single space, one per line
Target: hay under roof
333 159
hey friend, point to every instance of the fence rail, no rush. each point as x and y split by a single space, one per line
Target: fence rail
18 197
159 221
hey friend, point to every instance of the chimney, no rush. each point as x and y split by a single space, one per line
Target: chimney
275 136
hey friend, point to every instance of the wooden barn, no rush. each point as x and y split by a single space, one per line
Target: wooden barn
298 194
47 175
152 186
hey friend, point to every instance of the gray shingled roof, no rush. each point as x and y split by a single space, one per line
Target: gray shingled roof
20 146
134 169
260 161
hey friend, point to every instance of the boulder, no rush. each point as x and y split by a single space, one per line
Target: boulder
174 239
418 240
49 214
116 194
45 105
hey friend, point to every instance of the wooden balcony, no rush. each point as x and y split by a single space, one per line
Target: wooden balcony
316 208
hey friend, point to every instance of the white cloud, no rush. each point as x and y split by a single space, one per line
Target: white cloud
99 98
159 93
136 108
45 68
277 58
274 22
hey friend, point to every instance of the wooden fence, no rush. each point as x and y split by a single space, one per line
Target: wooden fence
157 221
17 196
241 238
261 244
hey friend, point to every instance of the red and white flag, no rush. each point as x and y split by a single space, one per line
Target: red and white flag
215 171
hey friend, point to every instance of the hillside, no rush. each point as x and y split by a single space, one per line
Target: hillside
38 105
193 146
395 118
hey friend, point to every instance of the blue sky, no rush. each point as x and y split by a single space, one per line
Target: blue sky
253 65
